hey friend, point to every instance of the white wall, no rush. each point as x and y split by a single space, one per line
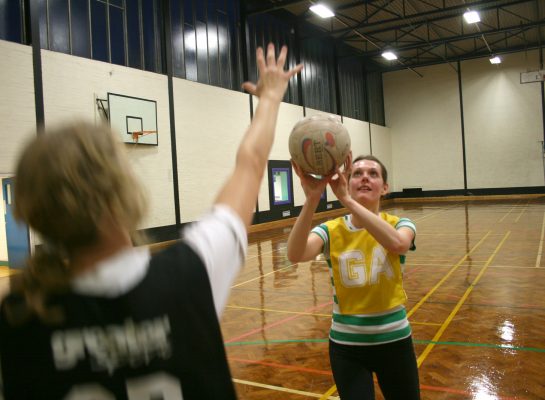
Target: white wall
503 123
423 114
17 110
70 87
210 123
381 140
3 242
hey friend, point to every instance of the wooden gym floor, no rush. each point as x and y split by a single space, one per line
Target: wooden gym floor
476 304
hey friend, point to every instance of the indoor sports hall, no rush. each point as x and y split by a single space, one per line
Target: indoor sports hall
453 106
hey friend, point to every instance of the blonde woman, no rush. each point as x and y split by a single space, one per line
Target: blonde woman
365 251
93 317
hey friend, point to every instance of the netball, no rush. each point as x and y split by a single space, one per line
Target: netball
319 143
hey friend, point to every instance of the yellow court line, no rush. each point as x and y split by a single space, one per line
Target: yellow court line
262 276
522 212
454 268
538 259
279 311
327 395
510 211
282 389
6 271
449 319
438 264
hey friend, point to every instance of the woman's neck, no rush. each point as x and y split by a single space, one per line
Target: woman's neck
357 221
110 242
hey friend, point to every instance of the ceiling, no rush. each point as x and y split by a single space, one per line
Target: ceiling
420 32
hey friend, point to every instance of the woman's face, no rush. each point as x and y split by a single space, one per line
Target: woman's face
366 184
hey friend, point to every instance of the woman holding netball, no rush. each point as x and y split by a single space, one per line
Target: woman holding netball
365 251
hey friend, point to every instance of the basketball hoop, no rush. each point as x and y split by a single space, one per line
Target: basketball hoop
136 135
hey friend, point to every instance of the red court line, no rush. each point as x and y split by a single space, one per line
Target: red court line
409 274
282 321
284 366
328 373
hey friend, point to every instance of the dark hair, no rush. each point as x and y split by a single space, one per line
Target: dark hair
384 172
67 181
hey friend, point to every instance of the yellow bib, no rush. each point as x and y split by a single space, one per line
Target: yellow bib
367 278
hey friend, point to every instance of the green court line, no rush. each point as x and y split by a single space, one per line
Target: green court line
464 344
4 264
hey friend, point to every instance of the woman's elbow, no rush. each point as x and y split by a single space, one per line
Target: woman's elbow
400 247
294 257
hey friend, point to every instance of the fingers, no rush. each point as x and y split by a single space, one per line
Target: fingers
296 168
249 87
282 57
271 60
295 70
260 59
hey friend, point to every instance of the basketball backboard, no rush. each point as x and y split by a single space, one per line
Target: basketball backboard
134 118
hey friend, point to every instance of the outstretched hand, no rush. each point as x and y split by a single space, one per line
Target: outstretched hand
273 79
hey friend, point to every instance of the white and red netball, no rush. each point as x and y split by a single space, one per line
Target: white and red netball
318 143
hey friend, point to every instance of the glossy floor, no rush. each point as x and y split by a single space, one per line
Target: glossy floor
476 288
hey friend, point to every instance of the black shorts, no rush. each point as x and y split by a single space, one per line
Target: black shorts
393 363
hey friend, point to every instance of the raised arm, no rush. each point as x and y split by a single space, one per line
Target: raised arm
241 189
303 246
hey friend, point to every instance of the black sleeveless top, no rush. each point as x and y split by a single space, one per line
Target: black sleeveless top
160 340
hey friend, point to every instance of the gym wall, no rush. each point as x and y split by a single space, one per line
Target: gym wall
70 86
502 122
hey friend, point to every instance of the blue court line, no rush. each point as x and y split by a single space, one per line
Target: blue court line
445 343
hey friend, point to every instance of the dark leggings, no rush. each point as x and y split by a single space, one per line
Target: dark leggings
393 363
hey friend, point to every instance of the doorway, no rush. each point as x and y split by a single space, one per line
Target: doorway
16 247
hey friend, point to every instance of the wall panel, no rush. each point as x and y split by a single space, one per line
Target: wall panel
17 110
210 123
503 123
423 114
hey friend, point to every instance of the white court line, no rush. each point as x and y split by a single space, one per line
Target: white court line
538 260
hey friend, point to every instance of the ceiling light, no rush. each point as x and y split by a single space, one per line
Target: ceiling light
389 55
495 60
322 11
472 17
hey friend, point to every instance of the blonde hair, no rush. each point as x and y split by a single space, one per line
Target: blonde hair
67 181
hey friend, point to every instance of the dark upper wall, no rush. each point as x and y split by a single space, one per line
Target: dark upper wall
213 42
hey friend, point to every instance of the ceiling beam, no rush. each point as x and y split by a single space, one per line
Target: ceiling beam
467 56
269 7
428 16
436 42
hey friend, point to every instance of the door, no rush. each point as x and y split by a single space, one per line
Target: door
17 236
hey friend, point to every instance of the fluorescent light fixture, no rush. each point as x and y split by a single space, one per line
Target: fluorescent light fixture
322 11
389 55
472 17
495 60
